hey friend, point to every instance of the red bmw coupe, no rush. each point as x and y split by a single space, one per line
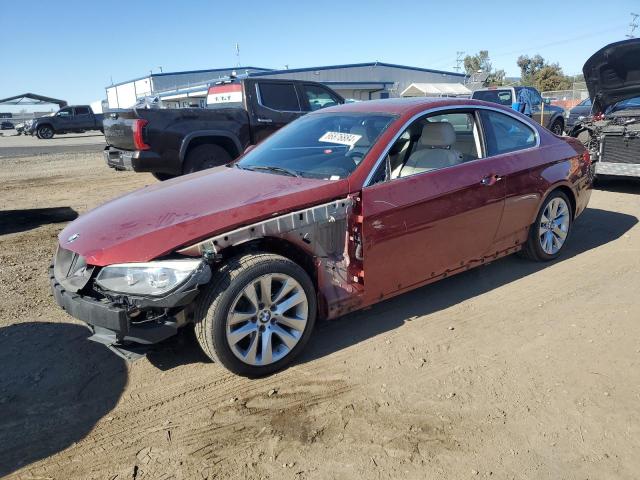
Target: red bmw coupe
340 209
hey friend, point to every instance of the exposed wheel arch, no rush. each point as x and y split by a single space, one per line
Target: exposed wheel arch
278 246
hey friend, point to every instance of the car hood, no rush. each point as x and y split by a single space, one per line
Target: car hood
613 73
158 219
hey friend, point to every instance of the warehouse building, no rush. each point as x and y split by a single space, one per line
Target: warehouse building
358 81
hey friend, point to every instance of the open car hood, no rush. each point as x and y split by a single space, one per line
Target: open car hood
613 73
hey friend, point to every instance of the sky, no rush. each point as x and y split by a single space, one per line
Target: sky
73 49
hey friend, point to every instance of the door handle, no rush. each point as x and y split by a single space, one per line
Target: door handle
491 180
264 120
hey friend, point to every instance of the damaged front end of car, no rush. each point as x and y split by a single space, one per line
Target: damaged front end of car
612 132
128 306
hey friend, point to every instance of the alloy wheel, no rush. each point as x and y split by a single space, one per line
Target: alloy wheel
554 226
267 319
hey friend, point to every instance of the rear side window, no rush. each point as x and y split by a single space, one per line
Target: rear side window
279 96
82 111
504 133
225 95
319 97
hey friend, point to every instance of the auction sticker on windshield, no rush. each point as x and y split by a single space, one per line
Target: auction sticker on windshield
349 139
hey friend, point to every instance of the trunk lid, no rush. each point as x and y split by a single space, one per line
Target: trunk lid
613 73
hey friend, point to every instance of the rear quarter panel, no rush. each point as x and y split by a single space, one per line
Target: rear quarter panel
532 174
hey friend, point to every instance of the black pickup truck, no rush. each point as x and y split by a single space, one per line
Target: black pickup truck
72 119
239 113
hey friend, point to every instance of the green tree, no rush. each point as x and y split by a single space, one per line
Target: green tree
551 77
529 68
479 61
536 72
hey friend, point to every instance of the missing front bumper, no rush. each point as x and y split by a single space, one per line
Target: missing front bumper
112 325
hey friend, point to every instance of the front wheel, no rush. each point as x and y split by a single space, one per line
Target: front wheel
257 314
549 233
45 132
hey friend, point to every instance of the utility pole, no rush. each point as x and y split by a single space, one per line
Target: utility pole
633 25
459 61
237 54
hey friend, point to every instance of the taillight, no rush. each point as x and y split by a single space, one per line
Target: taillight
598 116
586 157
138 140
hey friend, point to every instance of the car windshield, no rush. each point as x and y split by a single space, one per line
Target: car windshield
503 97
324 146
628 104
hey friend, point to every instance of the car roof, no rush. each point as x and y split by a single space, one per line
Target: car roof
402 106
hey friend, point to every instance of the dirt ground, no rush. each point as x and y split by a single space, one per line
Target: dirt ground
511 371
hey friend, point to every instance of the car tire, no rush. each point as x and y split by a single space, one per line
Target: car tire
231 328
557 127
549 233
162 176
45 132
205 156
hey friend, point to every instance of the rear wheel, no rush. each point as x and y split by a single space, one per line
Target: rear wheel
45 132
257 314
549 233
163 176
205 156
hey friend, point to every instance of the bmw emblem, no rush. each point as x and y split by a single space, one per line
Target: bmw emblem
73 238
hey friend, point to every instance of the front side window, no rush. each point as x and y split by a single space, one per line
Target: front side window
504 133
65 112
319 97
279 96
325 146
431 143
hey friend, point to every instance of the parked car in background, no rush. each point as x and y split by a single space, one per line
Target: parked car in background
340 209
239 113
72 119
578 114
612 132
6 125
526 100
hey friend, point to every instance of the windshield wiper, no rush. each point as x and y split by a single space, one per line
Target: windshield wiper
271 168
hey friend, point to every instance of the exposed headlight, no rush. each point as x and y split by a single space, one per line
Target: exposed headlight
153 278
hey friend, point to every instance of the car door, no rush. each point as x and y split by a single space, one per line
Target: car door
64 119
277 104
537 108
81 119
515 144
419 227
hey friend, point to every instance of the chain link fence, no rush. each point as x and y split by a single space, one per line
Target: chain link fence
567 99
